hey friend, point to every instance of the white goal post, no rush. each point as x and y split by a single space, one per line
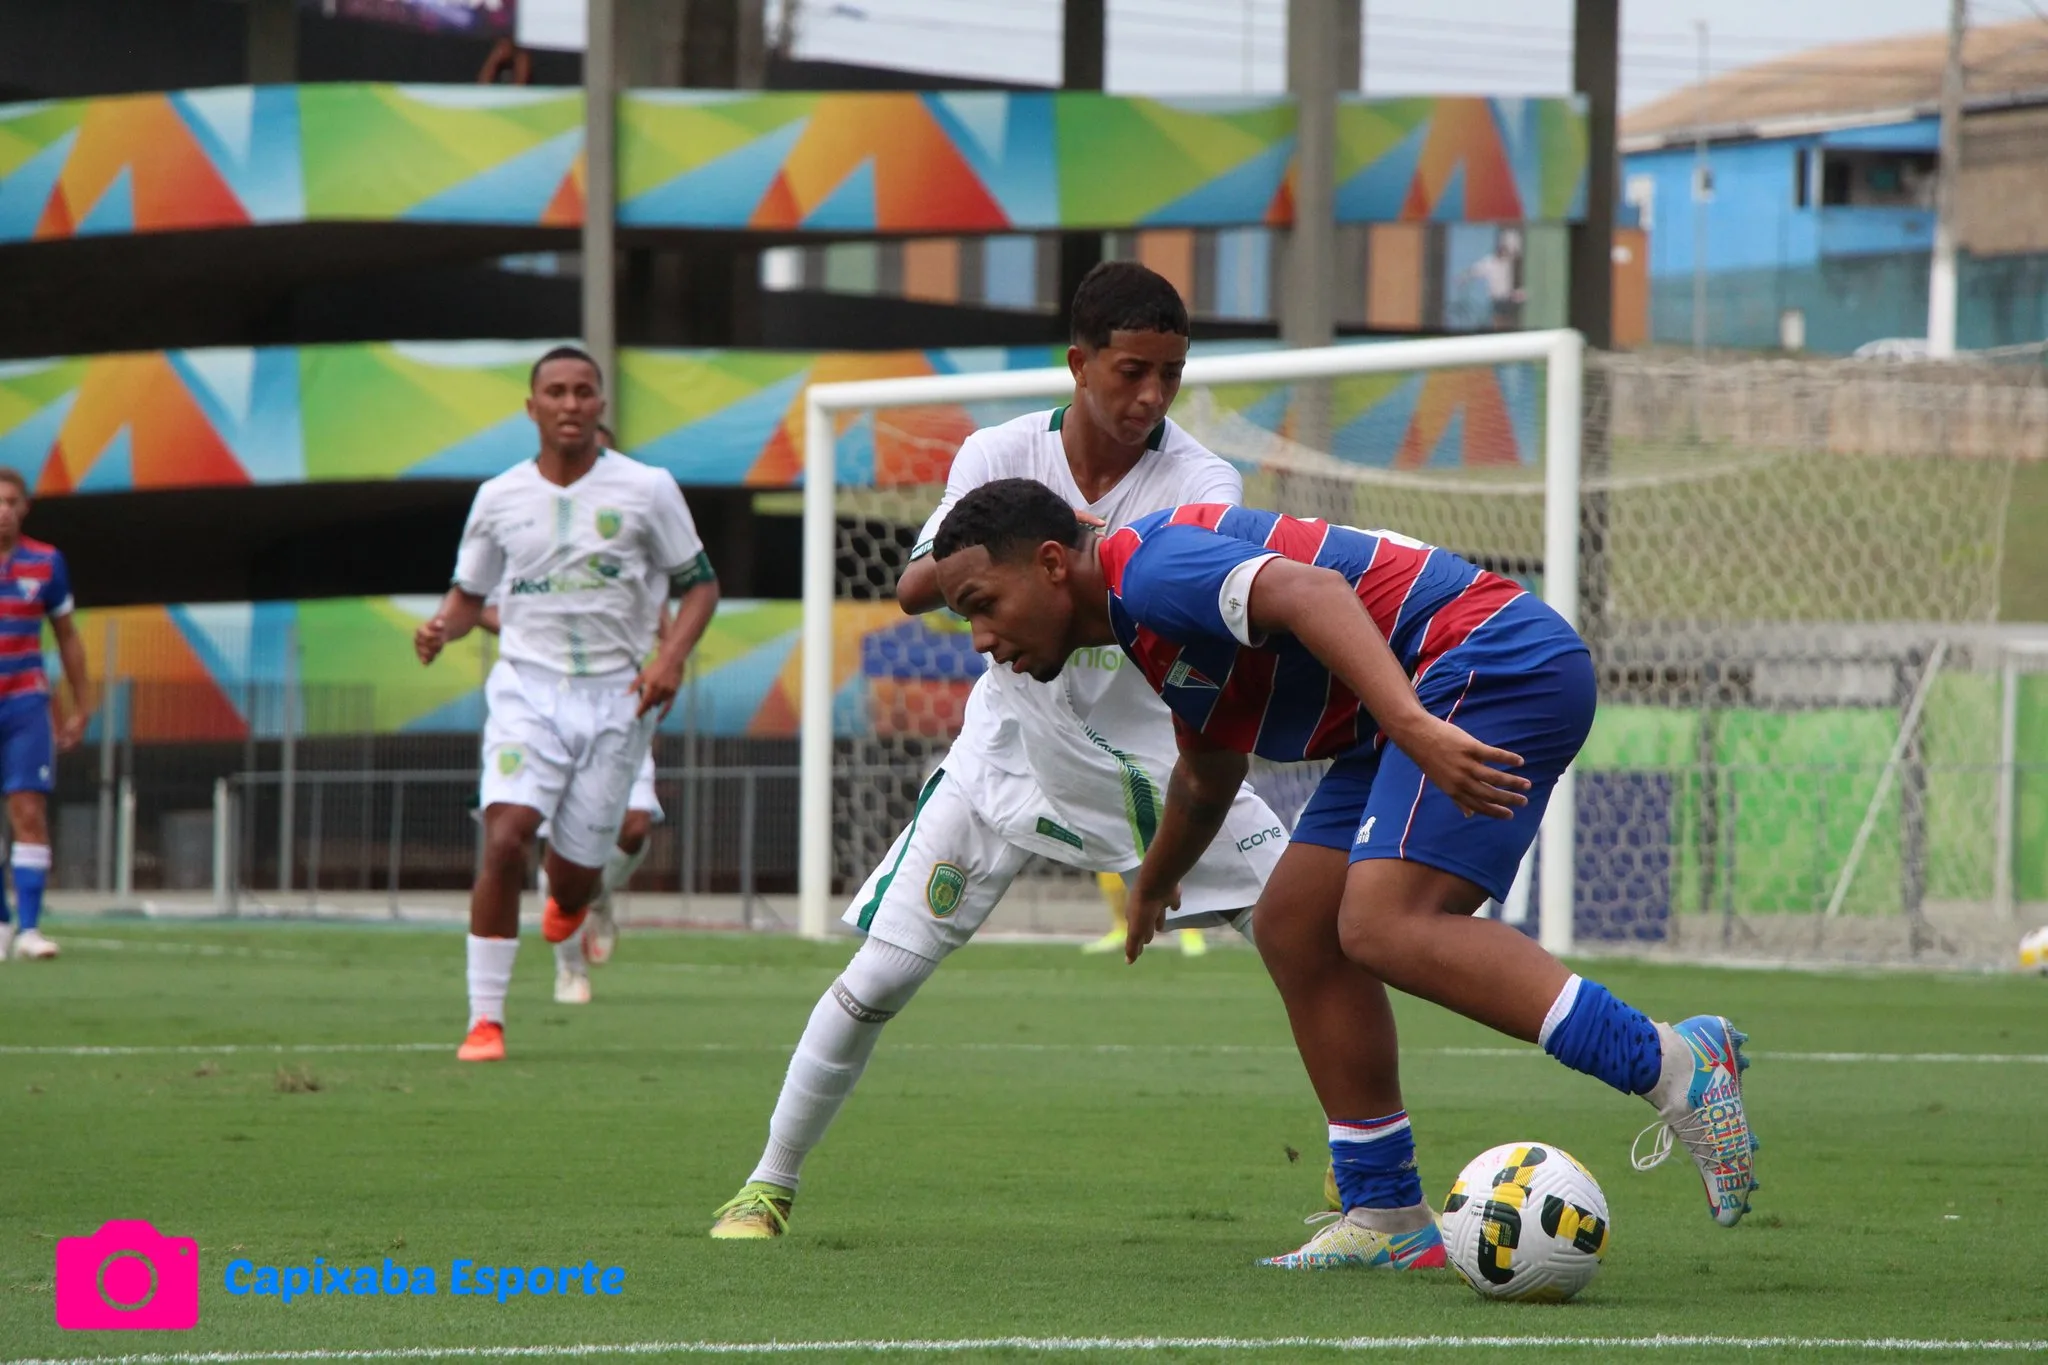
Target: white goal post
1560 352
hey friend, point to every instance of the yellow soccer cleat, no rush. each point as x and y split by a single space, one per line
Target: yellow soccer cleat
1192 944
758 1210
1346 1243
1331 1195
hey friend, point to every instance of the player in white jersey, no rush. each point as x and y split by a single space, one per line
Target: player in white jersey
1071 770
588 545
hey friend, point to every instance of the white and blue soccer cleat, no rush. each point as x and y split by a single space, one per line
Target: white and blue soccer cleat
1699 1095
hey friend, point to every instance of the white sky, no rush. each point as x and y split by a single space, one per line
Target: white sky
1412 46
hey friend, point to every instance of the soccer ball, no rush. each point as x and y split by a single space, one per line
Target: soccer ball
1526 1221
2034 952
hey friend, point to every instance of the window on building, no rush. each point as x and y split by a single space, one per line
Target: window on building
1860 179
1802 165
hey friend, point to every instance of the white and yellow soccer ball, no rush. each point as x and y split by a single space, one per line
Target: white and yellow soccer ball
1526 1221
2034 951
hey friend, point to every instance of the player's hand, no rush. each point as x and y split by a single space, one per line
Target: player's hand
1467 770
1088 518
430 639
656 686
1145 915
71 731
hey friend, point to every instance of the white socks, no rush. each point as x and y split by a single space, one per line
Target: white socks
837 1042
490 976
620 867
569 955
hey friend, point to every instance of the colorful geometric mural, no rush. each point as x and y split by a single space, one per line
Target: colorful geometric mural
454 410
218 671
1452 158
876 162
979 161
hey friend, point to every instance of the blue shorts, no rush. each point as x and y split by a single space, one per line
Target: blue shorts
1377 803
28 747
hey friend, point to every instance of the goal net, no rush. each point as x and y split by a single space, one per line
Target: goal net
1790 575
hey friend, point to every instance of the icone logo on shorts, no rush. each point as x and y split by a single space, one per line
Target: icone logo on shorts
1251 842
943 889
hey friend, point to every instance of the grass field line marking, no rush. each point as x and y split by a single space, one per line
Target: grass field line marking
1106 1049
1867 1345
126 945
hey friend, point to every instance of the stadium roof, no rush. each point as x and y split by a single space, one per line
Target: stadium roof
1875 81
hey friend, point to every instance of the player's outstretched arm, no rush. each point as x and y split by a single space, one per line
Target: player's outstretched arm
456 617
77 681
1198 795
1317 607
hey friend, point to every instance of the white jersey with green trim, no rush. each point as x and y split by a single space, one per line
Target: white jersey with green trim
584 568
1093 740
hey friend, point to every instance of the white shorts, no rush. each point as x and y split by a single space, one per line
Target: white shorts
567 747
945 872
641 799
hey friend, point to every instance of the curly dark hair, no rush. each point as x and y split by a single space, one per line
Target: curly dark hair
1123 296
1007 517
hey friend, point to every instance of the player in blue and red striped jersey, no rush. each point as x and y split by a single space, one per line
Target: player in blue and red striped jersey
34 587
1439 691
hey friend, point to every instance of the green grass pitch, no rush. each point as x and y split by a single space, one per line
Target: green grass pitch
1046 1147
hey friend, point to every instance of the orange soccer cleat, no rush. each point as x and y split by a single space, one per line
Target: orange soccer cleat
485 1043
557 924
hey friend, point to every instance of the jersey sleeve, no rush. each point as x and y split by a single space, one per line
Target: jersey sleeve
970 471
675 548
1175 584
480 559
57 598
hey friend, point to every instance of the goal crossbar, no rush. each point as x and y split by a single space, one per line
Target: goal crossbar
1561 352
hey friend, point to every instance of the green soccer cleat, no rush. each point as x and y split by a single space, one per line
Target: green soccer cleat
758 1210
1331 1195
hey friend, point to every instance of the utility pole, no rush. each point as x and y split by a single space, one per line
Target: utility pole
1702 194
785 29
1941 276
600 194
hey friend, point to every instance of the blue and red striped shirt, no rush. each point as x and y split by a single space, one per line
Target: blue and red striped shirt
1179 584
34 586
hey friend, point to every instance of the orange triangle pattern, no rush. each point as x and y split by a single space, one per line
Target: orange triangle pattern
171 441
173 183
1463 133
922 183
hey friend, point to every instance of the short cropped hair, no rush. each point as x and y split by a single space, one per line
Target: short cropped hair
564 353
1007 517
1123 296
9 474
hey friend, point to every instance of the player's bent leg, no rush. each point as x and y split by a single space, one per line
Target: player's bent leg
494 926
938 883
1344 1028
1410 924
844 1027
601 930
28 812
1114 896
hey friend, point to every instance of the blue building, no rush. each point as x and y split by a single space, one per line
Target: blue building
1812 222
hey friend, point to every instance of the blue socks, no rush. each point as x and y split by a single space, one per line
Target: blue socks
1589 1030
1375 1162
31 874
